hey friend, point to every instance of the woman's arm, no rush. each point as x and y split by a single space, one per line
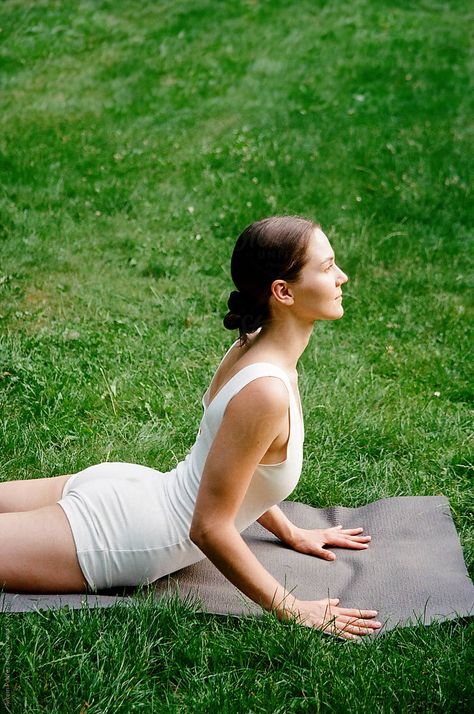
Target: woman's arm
252 420
275 521
312 541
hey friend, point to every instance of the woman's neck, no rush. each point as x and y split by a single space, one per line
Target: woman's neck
284 343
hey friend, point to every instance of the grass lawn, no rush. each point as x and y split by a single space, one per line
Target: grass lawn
137 140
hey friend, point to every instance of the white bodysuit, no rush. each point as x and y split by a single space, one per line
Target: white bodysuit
131 523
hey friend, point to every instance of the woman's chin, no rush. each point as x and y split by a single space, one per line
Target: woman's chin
339 312
333 314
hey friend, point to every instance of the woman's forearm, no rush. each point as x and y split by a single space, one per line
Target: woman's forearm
228 551
275 521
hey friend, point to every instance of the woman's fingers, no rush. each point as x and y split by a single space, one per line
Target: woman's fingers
350 627
355 629
325 554
348 636
346 630
345 623
352 532
349 531
349 541
346 536
357 614
343 537
361 623
352 544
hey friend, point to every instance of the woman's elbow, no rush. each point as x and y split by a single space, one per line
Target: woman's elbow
194 534
201 533
198 531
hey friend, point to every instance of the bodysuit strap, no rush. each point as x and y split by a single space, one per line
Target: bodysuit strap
214 413
246 375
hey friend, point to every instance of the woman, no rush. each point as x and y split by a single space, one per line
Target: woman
125 524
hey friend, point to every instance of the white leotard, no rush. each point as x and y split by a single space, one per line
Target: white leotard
131 523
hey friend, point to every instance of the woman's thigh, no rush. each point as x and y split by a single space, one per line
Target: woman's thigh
38 553
30 494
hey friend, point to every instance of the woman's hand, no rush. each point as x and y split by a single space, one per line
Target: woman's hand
345 623
312 541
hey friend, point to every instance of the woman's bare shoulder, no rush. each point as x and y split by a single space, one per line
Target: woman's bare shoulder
232 362
264 395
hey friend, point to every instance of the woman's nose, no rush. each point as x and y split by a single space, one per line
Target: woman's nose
342 278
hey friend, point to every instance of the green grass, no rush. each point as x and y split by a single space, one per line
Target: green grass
137 140
178 660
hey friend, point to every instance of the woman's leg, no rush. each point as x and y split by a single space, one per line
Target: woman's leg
38 553
30 494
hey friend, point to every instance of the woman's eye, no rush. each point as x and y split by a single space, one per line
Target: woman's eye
329 267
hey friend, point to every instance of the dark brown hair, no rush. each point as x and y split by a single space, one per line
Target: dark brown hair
265 251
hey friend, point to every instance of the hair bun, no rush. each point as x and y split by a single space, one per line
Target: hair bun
237 304
232 321
241 313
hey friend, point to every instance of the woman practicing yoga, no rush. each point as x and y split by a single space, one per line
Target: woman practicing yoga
118 524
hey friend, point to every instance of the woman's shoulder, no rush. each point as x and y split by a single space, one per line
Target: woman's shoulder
260 387
229 366
263 399
261 395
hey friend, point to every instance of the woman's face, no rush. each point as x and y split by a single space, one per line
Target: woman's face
317 291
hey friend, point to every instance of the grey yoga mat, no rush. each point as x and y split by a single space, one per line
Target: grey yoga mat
413 571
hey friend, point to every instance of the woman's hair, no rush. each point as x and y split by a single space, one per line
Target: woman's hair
265 251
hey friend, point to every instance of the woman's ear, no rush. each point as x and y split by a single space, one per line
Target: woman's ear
282 292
